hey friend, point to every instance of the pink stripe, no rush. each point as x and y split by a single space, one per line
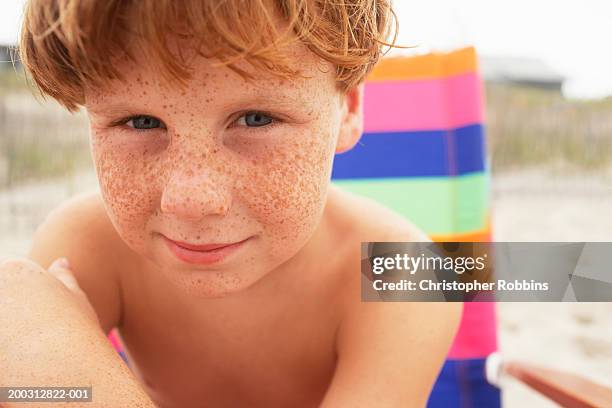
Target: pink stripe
477 335
434 104
112 336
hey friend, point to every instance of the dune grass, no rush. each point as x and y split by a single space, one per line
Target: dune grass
536 127
38 138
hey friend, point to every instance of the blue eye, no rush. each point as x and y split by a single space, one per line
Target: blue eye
144 122
255 119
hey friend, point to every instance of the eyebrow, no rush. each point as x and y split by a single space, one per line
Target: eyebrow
269 92
272 99
118 110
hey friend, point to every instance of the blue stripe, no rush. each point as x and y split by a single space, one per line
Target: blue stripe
462 384
414 154
470 149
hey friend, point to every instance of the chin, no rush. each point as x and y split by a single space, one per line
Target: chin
213 284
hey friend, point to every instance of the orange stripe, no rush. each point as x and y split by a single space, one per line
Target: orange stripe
483 235
478 236
429 66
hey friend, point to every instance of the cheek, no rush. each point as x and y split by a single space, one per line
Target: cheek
127 182
288 189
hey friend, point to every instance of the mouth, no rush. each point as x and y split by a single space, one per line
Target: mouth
202 254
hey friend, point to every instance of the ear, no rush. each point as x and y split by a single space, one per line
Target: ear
351 126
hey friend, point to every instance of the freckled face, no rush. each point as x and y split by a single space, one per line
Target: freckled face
221 161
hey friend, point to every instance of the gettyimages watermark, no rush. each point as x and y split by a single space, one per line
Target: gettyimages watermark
486 271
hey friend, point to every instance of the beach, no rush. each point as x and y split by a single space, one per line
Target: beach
554 204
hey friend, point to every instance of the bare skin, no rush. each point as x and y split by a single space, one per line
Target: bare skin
51 337
304 339
279 322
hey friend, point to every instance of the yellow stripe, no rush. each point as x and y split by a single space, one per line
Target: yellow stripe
429 66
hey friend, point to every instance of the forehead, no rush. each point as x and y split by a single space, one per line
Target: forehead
315 78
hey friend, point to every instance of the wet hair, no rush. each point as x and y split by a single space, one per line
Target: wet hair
68 46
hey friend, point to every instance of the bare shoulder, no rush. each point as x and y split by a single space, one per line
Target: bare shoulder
370 220
80 230
412 338
81 226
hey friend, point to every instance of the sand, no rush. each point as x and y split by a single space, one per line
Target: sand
554 205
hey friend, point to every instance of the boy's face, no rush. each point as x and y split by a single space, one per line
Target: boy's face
222 161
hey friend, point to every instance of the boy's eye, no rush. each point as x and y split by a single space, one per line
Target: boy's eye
144 122
255 119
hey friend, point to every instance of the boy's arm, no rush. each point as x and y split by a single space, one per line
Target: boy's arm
49 338
389 354
80 231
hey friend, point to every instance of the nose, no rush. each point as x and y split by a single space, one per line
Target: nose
194 195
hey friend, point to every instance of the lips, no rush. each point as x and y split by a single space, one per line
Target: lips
202 254
208 247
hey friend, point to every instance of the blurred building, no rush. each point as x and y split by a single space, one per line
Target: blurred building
529 72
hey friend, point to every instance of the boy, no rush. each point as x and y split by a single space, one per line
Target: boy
216 245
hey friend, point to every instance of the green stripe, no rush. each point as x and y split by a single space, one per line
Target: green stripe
438 205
